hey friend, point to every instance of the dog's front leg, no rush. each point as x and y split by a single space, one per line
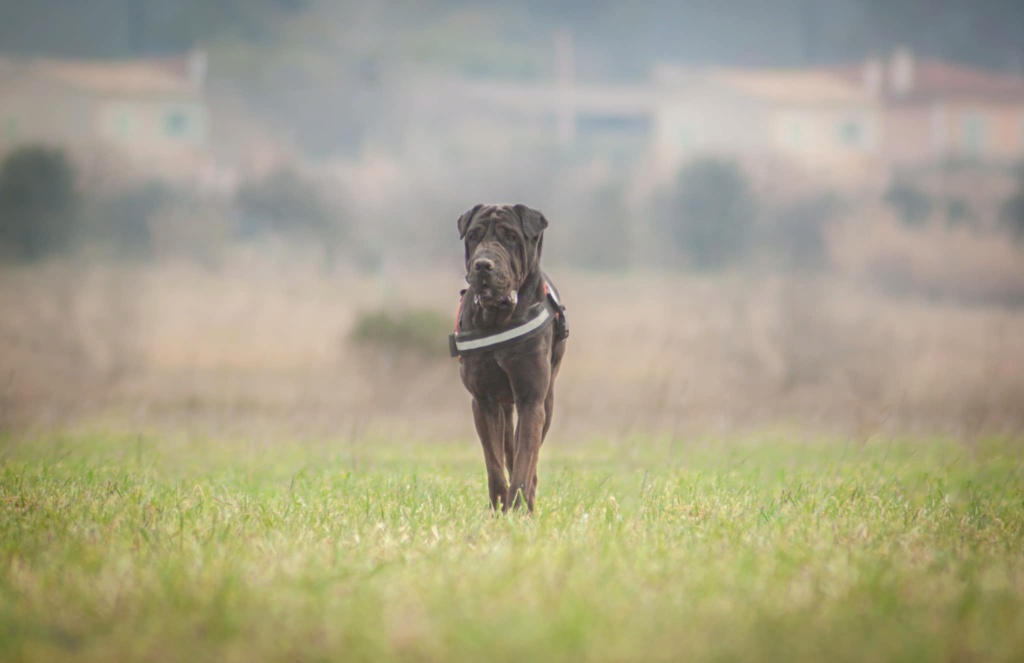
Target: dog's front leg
510 438
530 377
490 426
529 427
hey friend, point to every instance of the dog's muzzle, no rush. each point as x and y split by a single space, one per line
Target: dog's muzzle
492 280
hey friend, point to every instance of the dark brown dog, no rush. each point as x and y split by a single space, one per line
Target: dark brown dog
508 292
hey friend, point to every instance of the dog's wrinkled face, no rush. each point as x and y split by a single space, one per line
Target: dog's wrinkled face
503 246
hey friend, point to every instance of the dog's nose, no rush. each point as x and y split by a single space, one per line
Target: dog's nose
483 265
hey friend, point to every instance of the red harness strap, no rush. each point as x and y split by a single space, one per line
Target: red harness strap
458 317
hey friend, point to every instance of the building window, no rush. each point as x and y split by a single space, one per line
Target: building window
612 124
851 133
794 133
684 137
974 132
940 129
124 125
176 123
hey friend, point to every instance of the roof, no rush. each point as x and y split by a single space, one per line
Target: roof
541 96
180 75
778 86
627 99
791 86
935 80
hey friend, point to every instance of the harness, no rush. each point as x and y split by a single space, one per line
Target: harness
543 313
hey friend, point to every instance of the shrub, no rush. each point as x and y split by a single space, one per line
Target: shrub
710 213
285 202
125 220
955 264
911 203
289 205
194 227
959 213
1013 210
38 205
420 332
602 239
800 230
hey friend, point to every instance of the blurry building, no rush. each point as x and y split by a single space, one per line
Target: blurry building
936 111
149 112
582 121
847 125
817 123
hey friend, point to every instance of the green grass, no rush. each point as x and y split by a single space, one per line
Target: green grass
174 548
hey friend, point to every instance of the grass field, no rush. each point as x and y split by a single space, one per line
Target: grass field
166 547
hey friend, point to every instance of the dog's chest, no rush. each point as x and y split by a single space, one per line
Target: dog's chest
484 377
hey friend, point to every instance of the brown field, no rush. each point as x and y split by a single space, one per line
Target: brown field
260 342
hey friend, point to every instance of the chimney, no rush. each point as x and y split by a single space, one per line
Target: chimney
197 68
873 76
901 71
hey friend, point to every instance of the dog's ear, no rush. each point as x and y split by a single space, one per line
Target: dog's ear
533 221
465 220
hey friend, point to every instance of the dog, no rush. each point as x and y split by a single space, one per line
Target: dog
510 336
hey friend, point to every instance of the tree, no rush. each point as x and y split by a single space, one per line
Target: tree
287 204
603 240
38 205
710 214
284 202
799 231
913 205
1013 210
124 220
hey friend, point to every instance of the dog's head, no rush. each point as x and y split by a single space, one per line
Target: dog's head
503 247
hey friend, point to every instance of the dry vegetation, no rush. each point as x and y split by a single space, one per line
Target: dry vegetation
264 339
960 263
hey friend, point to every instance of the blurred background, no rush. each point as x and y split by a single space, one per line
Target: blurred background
228 216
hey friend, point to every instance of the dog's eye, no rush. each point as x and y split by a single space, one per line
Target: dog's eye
508 236
475 235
